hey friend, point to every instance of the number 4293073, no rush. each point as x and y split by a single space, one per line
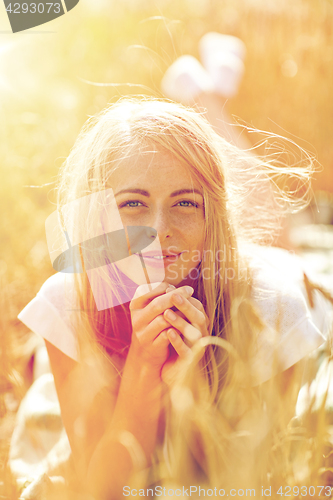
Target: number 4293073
295 491
34 8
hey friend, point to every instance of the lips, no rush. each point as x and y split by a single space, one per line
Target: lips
159 259
157 254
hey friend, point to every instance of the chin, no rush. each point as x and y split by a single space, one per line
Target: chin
176 276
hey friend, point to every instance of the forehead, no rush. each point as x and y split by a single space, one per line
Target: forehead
152 170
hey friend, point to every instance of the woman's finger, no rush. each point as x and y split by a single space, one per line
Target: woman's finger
161 340
159 304
201 308
145 293
191 333
192 313
179 345
197 304
148 333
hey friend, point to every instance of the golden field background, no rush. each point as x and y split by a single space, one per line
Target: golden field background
54 76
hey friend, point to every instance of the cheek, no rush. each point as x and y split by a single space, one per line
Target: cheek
189 222
134 218
195 235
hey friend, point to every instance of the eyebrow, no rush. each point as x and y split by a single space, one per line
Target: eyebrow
172 195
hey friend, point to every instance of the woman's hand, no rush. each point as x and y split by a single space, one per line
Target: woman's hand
149 345
191 322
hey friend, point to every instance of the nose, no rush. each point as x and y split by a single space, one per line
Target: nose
162 224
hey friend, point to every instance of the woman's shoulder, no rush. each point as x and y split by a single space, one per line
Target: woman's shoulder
277 286
59 290
278 280
50 313
277 277
280 298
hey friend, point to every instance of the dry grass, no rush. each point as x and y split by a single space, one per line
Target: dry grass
287 89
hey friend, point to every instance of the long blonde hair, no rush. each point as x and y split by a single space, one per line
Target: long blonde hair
228 178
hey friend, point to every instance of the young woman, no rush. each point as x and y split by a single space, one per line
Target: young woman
160 356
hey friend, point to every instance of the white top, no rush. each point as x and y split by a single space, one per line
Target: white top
290 335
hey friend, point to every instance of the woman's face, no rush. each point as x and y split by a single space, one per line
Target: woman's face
154 189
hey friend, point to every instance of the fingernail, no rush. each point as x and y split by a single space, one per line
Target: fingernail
171 315
170 288
172 334
189 290
178 298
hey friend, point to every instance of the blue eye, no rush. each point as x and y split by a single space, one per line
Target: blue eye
131 204
188 204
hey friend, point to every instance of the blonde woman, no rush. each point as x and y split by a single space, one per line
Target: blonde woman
153 386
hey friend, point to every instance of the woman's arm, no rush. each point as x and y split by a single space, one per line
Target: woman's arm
97 434
103 464
134 422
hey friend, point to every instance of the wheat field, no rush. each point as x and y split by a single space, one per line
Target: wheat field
51 82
